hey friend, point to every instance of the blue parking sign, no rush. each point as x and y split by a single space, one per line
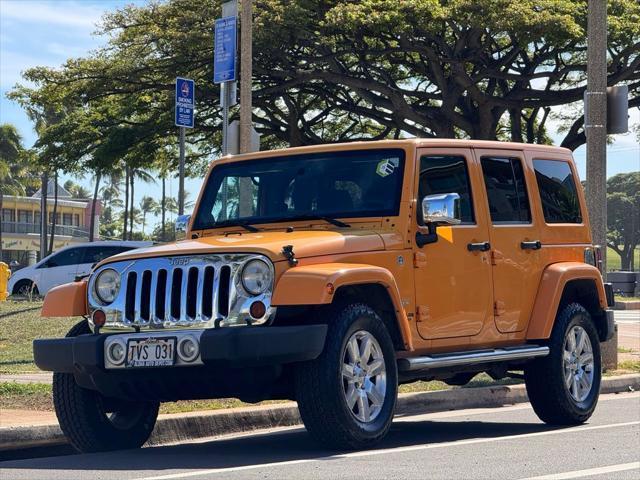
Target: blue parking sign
224 60
185 102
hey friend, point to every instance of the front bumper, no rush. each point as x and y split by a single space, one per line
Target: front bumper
232 359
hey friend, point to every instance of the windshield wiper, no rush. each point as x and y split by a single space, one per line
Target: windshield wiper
315 216
247 226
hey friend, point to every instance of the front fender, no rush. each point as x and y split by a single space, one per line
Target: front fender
68 300
554 279
316 285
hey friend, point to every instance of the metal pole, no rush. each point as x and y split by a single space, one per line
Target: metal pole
246 74
224 94
246 107
596 123
181 174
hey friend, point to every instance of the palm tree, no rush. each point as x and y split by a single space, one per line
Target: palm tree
76 190
11 168
140 174
147 205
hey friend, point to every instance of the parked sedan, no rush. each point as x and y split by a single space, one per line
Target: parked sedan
65 265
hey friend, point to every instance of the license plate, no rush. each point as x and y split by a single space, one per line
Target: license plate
151 352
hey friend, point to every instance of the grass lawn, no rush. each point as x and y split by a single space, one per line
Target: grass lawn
20 324
613 260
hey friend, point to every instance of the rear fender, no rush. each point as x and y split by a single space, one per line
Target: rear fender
552 286
317 285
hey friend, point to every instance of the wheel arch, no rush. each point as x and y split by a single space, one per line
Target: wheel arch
325 284
22 281
564 283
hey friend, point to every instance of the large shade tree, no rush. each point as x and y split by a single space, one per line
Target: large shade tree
329 71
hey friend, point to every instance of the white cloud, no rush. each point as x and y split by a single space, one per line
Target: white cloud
64 13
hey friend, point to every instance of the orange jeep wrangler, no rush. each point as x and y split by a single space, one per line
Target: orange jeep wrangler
332 274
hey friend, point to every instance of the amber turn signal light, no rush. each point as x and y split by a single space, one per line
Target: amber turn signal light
99 318
257 309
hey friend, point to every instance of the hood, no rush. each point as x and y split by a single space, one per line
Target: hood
306 243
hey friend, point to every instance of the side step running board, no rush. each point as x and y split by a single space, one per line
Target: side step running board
471 357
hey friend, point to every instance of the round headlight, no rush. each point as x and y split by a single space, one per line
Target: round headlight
256 277
107 285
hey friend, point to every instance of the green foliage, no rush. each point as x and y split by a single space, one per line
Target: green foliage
623 219
327 71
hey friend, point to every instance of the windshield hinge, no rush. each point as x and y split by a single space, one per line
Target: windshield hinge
287 251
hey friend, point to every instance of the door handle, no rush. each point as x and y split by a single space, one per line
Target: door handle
479 247
534 245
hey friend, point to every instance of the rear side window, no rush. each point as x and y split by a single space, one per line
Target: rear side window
71 256
558 193
97 254
446 174
506 190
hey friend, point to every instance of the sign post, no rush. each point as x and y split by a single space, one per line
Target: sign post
185 105
224 67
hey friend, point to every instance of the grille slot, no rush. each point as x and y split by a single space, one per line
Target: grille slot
192 293
161 293
207 292
145 301
175 296
129 311
223 298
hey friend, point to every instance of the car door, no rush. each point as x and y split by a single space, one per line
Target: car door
452 275
58 269
514 236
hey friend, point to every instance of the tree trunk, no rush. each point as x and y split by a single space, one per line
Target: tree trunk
55 212
93 207
131 179
1 198
44 218
126 204
164 207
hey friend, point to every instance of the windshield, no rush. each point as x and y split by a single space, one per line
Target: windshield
348 184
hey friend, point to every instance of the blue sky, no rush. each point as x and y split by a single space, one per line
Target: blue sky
47 32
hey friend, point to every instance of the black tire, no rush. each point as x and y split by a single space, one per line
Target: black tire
94 423
319 384
24 288
545 377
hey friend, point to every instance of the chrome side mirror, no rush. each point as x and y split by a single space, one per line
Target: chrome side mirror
441 209
182 224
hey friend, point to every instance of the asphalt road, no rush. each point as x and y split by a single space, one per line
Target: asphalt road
504 443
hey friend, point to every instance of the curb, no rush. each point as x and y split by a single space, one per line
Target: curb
631 305
176 428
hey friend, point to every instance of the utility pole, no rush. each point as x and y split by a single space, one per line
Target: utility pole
596 123
246 107
246 74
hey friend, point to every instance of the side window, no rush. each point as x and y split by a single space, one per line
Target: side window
506 190
97 254
65 258
557 191
446 174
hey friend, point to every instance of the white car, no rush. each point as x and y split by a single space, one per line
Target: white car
65 265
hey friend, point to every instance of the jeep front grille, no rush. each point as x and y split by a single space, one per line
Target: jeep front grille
177 295
173 292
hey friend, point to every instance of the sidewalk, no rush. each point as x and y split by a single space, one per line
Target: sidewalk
44 377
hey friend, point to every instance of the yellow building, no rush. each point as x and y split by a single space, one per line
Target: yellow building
21 224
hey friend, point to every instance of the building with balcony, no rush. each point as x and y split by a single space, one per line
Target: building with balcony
21 223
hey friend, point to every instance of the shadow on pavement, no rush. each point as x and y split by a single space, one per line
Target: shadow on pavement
267 448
